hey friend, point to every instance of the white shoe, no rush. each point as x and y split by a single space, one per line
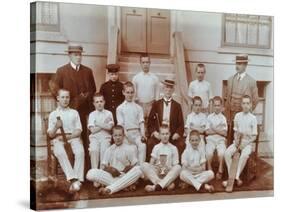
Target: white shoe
224 183
75 186
149 188
96 184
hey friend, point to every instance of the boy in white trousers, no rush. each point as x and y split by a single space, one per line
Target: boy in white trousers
70 121
118 168
216 132
196 120
130 116
164 166
245 133
100 123
201 87
194 165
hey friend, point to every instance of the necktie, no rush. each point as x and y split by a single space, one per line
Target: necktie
239 77
167 102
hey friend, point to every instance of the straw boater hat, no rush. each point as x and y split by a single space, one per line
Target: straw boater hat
169 81
74 48
241 58
113 68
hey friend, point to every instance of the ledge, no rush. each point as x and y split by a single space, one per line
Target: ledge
250 51
55 37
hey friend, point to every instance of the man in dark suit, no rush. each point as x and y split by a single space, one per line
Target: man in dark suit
79 81
166 111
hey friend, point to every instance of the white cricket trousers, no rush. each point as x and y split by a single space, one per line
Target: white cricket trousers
150 172
242 160
196 180
134 138
97 148
77 171
115 184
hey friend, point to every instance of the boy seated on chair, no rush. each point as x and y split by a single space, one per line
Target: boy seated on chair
216 132
70 122
119 168
164 166
196 120
100 123
130 116
193 160
245 133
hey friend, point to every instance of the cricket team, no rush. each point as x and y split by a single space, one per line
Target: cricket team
127 133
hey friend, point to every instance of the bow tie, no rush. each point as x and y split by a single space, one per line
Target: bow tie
166 102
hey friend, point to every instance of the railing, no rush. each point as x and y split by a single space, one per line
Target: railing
112 56
183 75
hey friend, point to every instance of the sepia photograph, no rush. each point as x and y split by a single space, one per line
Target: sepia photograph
134 105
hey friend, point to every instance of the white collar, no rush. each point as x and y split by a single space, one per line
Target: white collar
167 100
241 76
74 66
59 108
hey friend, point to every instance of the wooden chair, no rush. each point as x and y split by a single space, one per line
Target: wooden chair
55 172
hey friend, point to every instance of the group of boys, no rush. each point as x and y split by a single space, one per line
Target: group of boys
147 138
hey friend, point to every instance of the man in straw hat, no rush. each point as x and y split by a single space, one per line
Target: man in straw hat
166 111
79 81
238 85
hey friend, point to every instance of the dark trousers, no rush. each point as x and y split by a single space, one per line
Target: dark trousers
152 141
85 139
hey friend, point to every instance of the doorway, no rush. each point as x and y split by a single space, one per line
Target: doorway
145 30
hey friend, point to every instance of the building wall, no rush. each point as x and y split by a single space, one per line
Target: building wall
202 35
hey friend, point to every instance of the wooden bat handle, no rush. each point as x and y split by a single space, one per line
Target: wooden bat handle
62 131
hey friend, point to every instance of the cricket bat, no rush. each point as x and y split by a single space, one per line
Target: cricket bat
67 145
233 170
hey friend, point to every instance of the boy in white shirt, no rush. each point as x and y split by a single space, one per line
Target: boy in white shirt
216 132
196 120
245 133
164 166
202 88
100 123
70 121
130 116
194 165
118 168
146 86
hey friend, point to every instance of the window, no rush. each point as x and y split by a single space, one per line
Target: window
251 31
44 16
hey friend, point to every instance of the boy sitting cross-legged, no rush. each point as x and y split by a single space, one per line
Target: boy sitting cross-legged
164 166
194 165
118 168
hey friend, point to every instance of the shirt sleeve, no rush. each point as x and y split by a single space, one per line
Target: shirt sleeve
119 116
202 157
106 157
190 90
51 122
224 123
187 123
175 159
254 126
184 155
132 157
154 152
78 125
235 127
210 91
140 114
91 121
110 117
208 123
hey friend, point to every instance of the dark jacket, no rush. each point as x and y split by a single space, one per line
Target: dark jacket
176 117
77 82
112 92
